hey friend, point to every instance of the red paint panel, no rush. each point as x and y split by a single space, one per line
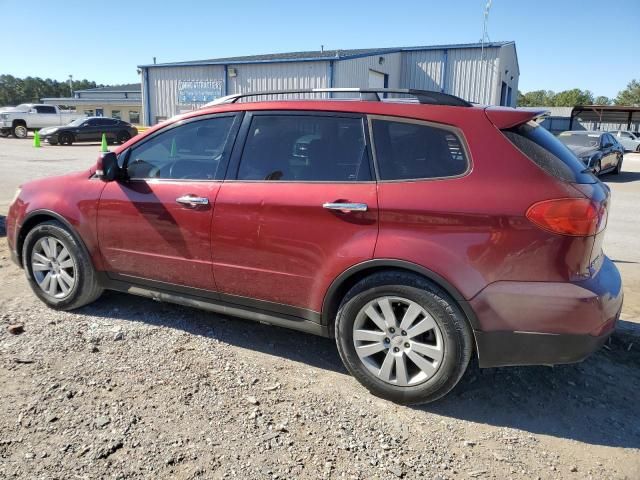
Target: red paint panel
273 241
145 233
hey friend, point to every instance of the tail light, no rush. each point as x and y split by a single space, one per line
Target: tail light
569 216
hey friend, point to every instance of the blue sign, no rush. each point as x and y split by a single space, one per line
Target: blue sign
200 91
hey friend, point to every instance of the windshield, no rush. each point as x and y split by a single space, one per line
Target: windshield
77 122
580 140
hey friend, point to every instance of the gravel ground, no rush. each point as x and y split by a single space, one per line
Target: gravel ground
131 388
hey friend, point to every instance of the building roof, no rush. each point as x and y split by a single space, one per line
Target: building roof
319 55
129 88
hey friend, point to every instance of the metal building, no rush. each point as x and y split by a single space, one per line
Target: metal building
483 73
119 101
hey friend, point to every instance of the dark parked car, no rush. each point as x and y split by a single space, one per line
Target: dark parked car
599 151
415 234
89 129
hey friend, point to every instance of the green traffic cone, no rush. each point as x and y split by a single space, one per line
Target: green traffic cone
103 147
36 139
174 149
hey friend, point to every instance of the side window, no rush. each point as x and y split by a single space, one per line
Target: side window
406 150
94 122
45 109
305 148
191 151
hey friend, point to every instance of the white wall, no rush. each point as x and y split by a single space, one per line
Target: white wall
163 87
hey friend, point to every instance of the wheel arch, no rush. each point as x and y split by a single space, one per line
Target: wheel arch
40 216
341 285
18 121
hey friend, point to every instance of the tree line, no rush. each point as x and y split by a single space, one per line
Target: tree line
575 96
14 91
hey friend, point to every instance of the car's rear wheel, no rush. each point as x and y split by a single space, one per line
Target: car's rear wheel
403 337
65 139
58 268
123 137
20 131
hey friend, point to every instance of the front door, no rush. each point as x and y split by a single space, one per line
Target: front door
157 225
299 207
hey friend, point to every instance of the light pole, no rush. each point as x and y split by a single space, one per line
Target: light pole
71 85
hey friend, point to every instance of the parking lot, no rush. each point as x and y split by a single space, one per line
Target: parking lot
140 389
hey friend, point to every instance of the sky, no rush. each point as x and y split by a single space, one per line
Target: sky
561 44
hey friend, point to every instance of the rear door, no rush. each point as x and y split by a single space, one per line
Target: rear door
47 116
298 208
156 226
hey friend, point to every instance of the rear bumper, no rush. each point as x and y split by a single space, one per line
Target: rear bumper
532 323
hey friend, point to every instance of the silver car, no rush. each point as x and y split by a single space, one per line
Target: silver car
629 140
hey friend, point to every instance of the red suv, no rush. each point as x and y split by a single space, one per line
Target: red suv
417 233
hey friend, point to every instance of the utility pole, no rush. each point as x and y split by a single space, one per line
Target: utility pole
483 60
71 85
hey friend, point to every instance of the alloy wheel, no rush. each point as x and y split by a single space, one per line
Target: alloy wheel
53 267
21 131
398 341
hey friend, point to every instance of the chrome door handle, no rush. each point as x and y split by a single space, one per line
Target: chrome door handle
346 207
192 201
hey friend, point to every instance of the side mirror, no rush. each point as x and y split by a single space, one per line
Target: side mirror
107 168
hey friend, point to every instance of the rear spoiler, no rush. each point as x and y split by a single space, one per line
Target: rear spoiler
505 117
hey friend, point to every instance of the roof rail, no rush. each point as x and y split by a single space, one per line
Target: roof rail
372 94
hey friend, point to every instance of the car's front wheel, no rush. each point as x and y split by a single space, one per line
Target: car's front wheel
618 168
123 137
403 337
65 139
58 269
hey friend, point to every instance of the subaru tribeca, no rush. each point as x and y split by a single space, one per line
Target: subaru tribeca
416 233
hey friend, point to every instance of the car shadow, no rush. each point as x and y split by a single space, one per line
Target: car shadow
3 226
588 402
622 177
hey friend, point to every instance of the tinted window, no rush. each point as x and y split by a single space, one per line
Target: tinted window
305 148
106 122
413 151
45 109
191 151
93 122
580 139
549 153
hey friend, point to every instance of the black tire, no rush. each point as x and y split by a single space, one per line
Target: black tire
638 149
65 138
618 168
123 137
456 334
85 289
20 131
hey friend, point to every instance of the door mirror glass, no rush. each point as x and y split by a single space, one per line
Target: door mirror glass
107 168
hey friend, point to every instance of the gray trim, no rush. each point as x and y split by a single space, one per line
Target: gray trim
331 300
249 309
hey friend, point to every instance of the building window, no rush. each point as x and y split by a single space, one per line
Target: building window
116 114
503 94
134 116
89 113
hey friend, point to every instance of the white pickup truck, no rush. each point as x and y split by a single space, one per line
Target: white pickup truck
17 121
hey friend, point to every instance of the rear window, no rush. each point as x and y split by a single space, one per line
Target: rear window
548 153
412 151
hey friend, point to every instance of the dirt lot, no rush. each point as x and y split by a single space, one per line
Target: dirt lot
131 388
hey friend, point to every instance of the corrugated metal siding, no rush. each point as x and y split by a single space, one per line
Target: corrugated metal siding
279 76
466 76
163 87
423 69
355 72
508 72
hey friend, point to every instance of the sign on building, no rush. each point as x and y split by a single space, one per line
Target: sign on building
199 91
